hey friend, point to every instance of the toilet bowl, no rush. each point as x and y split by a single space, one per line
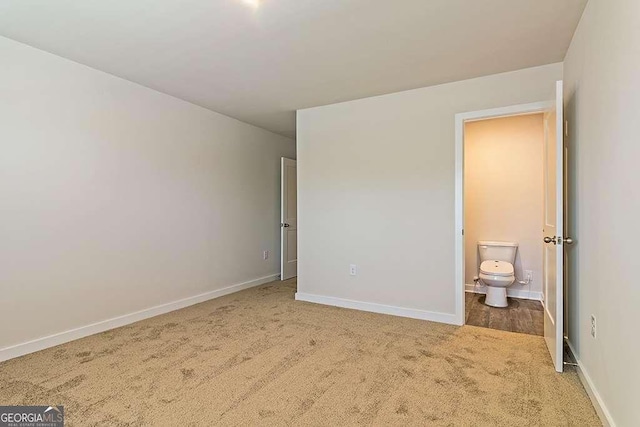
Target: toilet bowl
497 276
496 270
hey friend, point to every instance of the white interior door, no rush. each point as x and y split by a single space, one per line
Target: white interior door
553 268
288 220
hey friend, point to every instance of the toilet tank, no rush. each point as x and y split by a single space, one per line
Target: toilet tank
499 251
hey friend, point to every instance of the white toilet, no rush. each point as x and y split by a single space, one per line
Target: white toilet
496 270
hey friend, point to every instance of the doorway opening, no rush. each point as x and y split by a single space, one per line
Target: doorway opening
511 256
288 219
503 216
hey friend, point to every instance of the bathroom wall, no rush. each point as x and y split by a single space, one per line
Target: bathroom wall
503 193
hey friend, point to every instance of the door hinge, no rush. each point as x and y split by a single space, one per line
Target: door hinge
566 128
463 231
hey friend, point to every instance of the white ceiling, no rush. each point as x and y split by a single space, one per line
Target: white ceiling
260 65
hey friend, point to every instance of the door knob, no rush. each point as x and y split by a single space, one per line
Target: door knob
550 240
284 224
568 241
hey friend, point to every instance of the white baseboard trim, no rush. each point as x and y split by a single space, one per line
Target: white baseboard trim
596 400
116 322
378 308
514 293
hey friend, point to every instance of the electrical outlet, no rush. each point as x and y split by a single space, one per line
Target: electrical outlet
352 269
593 326
265 255
528 275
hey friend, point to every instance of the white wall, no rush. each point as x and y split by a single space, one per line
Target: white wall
503 193
602 105
115 198
376 189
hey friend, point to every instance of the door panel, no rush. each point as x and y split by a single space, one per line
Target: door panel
288 220
553 229
550 282
292 246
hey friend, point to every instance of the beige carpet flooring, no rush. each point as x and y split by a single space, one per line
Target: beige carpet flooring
258 357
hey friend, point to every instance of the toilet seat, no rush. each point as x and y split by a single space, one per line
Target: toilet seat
496 268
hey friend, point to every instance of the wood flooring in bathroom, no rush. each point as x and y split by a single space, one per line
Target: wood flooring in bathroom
522 315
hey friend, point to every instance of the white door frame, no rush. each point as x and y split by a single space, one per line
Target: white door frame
461 119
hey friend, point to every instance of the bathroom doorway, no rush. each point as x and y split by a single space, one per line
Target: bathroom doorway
503 199
502 192
503 206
